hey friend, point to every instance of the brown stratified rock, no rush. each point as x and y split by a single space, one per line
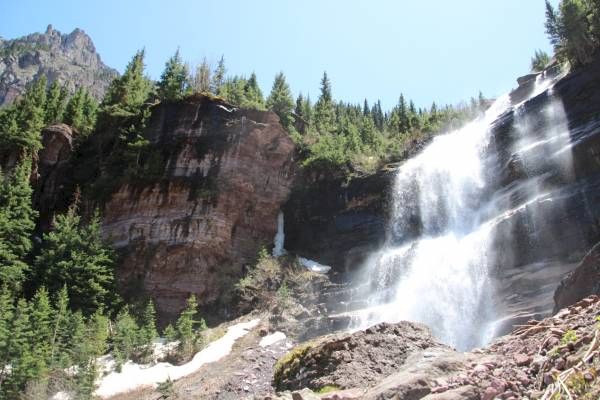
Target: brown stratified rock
582 282
227 174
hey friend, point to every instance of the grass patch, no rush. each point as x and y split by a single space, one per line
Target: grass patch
289 363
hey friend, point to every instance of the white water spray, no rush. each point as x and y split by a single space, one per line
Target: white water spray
435 267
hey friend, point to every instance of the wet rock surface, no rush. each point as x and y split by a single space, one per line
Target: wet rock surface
582 282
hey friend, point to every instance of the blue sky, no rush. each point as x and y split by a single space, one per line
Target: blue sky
429 50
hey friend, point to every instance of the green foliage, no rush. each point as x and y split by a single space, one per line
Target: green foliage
202 78
166 389
189 330
573 30
81 111
74 254
328 389
539 61
283 295
128 93
17 221
173 82
324 115
569 337
242 92
280 100
218 77
56 102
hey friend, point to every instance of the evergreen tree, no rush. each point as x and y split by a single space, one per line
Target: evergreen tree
539 61
31 115
42 315
74 255
173 82
280 100
366 110
147 331
17 221
253 94
218 77
6 318
74 111
55 104
201 82
20 355
189 329
128 93
324 109
59 344
126 337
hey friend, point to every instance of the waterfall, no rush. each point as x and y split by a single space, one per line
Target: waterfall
278 249
436 264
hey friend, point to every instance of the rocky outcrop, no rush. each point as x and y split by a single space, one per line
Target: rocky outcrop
540 358
359 360
69 59
227 173
51 173
582 282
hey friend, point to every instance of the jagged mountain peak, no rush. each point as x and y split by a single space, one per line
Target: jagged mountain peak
71 59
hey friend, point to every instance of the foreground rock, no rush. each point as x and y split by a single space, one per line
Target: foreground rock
69 59
356 360
538 359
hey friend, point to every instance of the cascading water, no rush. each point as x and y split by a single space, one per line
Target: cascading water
435 267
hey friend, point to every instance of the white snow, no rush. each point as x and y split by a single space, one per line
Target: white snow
314 266
134 376
61 396
272 339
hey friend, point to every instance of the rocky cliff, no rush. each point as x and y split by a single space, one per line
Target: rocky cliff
228 171
70 59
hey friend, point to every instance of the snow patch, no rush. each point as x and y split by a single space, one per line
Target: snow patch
61 396
272 339
314 266
134 376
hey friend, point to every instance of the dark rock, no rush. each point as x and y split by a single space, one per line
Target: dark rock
582 282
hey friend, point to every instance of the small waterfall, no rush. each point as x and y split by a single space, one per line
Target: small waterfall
435 267
279 250
279 240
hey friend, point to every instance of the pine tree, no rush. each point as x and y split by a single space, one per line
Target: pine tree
55 104
20 355
173 82
189 329
218 77
129 92
59 344
75 255
324 109
42 315
6 318
147 330
202 77
280 100
366 109
253 95
32 114
126 337
74 111
17 221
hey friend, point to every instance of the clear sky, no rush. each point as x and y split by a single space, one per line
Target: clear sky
427 49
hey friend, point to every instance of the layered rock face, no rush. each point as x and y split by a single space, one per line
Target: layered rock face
228 173
582 282
69 59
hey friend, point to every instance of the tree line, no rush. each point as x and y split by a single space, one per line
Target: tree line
574 32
